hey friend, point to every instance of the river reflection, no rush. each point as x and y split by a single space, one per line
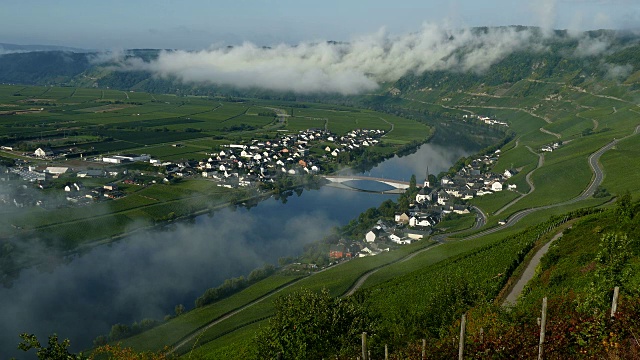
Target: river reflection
146 275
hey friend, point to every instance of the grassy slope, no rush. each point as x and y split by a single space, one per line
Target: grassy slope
569 264
176 328
337 280
621 174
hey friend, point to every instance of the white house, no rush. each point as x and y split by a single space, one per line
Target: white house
56 170
415 235
395 238
443 197
40 152
423 195
496 186
508 173
401 218
372 235
460 209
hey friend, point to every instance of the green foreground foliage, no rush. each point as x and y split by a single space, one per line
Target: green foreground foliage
56 350
310 325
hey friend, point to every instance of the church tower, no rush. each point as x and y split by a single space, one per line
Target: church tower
426 179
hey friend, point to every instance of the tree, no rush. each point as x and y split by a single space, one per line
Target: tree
612 269
179 309
412 183
58 351
433 180
119 353
119 331
54 350
403 204
311 325
624 207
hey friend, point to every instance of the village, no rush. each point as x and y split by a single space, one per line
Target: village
256 164
432 204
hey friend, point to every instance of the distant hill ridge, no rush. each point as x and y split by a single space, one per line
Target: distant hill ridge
599 54
29 48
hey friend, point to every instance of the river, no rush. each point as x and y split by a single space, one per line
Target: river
146 275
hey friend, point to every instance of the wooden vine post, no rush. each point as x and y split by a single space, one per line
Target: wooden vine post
543 323
614 302
463 325
364 346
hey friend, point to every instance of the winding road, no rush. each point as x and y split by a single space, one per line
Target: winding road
528 273
392 127
527 179
558 136
598 176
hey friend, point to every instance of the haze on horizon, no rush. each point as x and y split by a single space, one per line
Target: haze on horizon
198 24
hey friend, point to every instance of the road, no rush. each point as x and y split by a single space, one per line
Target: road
528 273
358 284
527 178
481 220
216 321
392 127
598 176
550 133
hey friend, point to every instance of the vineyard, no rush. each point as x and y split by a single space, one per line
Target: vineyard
440 293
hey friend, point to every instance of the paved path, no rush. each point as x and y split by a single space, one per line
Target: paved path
550 133
366 275
216 321
532 187
528 273
530 112
392 127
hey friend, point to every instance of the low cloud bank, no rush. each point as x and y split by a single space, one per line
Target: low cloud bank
356 67
329 67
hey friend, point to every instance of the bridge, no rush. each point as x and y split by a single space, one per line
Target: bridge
397 185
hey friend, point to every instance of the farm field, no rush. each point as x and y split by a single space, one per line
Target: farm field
120 121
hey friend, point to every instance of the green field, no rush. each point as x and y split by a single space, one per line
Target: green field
130 121
621 174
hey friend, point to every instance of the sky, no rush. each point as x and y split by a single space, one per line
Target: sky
202 24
